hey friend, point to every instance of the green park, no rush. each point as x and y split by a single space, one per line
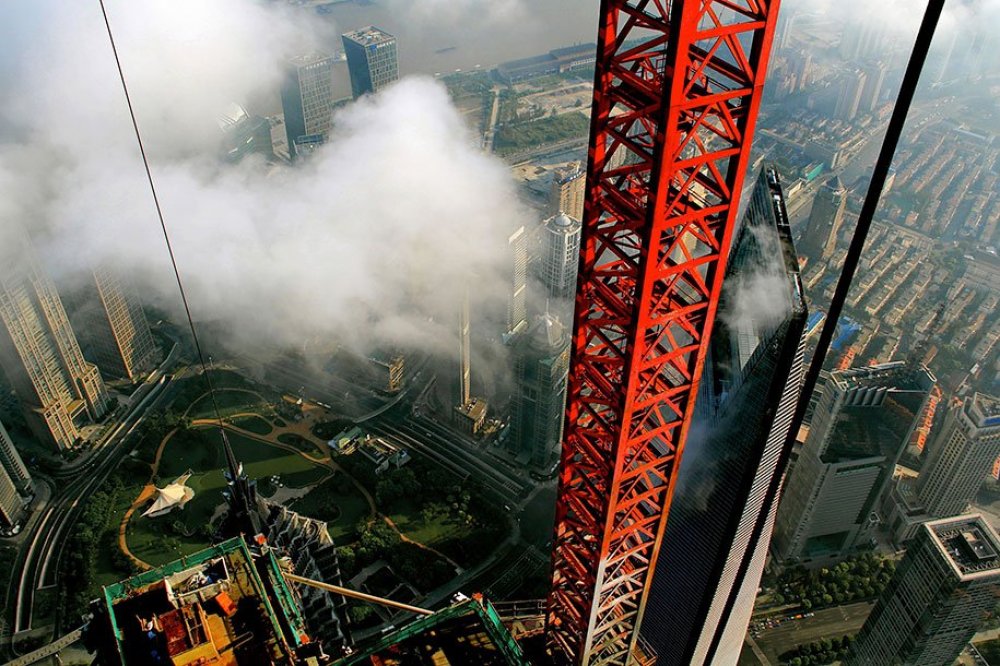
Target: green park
426 530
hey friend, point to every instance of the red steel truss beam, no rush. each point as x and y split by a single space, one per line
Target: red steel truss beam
677 89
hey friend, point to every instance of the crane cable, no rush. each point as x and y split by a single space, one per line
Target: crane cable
166 233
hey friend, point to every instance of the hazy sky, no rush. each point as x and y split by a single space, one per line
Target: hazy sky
366 244
398 211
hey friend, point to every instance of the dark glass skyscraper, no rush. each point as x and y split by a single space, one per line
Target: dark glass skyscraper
371 59
541 369
819 238
713 550
859 429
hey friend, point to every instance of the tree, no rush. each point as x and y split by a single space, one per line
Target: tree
347 559
360 614
806 604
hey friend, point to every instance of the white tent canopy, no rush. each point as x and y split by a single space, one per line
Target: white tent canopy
174 496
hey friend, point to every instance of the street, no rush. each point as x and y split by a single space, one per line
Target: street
38 562
826 623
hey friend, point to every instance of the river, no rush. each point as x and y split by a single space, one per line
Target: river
442 36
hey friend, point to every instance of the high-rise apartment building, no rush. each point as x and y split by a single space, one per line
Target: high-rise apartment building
800 68
819 238
560 255
863 39
541 368
960 456
860 427
517 302
15 482
58 389
567 194
720 522
371 59
112 328
943 588
852 89
786 28
307 99
875 73
11 462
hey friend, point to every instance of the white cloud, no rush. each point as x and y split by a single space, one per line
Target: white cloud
368 242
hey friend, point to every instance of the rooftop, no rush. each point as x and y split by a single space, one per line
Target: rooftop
878 428
986 410
369 36
310 59
222 605
895 375
969 544
474 409
563 223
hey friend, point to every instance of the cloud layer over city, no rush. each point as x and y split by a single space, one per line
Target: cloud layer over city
370 242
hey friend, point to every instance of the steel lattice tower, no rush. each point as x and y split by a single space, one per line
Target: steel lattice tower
677 90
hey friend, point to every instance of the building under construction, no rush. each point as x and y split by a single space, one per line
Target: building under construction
228 604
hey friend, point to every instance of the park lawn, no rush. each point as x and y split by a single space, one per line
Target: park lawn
535 133
467 545
159 540
134 474
444 533
255 424
300 442
438 530
337 501
231 401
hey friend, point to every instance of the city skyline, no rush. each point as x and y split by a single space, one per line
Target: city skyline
523 331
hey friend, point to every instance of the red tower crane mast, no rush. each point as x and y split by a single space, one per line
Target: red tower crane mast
677 89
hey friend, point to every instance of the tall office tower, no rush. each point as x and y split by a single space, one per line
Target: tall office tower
851 92
10 461
723 511
517 303
944 587
469 412
464 353
541 367
307 99
872 91
114 334
961 456
560 255
567 193
58 389
371 59
859 429
819 238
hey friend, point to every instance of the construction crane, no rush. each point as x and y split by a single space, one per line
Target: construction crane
677 90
